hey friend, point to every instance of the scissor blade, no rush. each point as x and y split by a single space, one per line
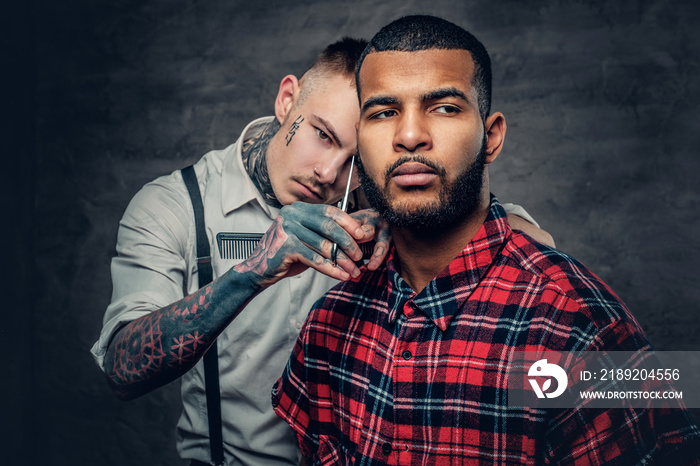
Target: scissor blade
344 208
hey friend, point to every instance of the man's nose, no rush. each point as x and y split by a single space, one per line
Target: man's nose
412 133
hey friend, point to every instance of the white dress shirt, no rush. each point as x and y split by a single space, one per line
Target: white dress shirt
156 266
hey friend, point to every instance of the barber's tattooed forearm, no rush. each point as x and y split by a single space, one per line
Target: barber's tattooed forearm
293 129
254 153
161 346
161 342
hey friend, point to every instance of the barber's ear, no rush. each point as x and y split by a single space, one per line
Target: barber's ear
495 127
286 96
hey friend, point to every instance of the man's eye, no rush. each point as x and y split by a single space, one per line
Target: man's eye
446 109
322 136
383 114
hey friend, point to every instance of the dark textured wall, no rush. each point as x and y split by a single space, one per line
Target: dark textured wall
600 97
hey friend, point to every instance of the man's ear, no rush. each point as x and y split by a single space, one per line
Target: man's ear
495 127
286 96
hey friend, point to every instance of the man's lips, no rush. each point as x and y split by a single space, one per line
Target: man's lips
411 174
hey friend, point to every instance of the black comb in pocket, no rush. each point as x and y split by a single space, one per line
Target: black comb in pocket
241 245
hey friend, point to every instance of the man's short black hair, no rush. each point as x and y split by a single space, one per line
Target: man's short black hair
422 32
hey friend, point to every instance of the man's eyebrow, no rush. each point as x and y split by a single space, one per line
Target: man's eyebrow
329 128
445 92
378 100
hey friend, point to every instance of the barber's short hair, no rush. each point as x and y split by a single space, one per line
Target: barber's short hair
422 32
340 57
337 59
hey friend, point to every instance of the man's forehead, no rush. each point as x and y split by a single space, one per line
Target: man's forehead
391 71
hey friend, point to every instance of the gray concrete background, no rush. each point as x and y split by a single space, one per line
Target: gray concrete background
601 101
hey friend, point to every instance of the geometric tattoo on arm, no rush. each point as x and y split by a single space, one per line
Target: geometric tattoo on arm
141 351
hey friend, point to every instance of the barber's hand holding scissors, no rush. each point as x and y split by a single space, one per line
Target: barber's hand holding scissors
303 235
322 237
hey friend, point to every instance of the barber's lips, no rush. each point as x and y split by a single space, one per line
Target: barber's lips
413 174
309 193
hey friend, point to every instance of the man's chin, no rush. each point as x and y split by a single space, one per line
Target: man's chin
415 206
426 219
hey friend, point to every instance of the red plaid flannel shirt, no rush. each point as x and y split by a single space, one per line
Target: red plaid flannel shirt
382 375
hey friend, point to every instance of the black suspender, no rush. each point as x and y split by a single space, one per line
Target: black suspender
203 255
211 357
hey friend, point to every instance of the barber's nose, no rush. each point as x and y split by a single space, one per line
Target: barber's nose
412 133
327 171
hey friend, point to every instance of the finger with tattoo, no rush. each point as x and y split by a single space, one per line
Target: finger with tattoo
373 222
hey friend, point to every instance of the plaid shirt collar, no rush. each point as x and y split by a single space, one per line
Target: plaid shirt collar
445 295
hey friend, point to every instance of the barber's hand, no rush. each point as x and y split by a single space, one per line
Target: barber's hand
375 228
302 236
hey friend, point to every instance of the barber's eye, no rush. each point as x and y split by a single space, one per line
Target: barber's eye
322 136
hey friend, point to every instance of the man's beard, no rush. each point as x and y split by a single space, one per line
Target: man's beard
456 201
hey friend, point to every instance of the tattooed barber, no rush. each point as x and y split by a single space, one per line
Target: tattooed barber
159 324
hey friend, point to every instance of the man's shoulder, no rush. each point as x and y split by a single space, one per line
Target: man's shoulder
557 272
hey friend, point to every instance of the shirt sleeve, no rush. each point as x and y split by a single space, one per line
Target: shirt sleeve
149 270
622 435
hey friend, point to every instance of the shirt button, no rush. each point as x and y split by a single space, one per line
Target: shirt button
386 448
406 355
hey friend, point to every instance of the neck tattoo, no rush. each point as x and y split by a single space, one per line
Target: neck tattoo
255 162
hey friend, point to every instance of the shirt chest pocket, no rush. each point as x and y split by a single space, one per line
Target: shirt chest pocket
236 246
231 248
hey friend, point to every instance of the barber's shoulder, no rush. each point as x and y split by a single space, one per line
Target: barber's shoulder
162 207
165 192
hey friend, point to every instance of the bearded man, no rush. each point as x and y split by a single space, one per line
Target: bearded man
407 364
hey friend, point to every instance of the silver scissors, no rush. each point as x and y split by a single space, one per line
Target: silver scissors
343 205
